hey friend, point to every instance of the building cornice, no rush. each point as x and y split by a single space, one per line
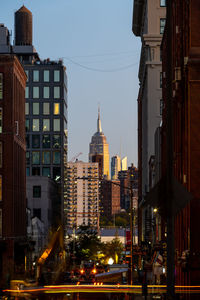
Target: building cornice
138 9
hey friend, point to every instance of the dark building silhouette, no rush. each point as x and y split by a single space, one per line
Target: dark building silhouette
12 167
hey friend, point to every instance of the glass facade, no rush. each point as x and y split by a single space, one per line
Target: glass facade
56 141
56 124
56 109
35 157
26 108
46 157
36 141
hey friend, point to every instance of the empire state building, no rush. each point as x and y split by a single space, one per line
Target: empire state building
99 147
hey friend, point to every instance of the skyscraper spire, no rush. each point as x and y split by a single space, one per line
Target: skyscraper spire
99 129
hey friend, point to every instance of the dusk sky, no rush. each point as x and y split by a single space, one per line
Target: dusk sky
101 54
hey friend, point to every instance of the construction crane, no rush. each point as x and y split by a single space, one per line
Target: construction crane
75 157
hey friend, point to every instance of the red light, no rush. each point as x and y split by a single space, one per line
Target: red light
94 271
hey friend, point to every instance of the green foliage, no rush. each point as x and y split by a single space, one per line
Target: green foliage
111 249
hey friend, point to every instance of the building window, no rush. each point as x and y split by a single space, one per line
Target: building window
46 141
36 157
46 171
35 141
46 109
46 157
36 124
56 109
56 92
36 171
56 157
27 92
1 120
56 173
35 75
27 125
36 191
46 125
37 213
162 25
56 124
56 75
26 108
1 223
27 141
1 86
46 92
162 3
161 78
27 157
56 141
27 75
36 108
46 75
27 171
36 92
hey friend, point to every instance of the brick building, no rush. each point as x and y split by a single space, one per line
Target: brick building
110 201
12 167
185 127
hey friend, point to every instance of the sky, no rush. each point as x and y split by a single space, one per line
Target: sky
101 55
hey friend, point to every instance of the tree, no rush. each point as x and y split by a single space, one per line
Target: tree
86 244
112 249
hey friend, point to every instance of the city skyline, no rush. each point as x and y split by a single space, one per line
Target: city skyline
89 37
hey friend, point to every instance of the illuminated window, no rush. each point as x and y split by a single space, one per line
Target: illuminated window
56 110
46 157
27 92
46 109
36 124
46 75
36 157
56 75
46 125
46 92
1 86
35 92
56 125
1 120
35 75
56 92
1 151
26 108
35 108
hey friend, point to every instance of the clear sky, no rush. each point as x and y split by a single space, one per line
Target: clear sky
101 55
